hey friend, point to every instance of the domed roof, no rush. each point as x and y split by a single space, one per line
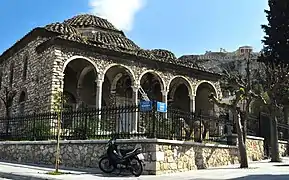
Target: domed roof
162 53
114 39
88 20
62 28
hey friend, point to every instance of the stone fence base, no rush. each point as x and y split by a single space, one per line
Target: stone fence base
161 156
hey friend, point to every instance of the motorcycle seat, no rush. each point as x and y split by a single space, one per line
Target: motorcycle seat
132 152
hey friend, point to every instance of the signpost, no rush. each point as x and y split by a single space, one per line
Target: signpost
146 105
161 107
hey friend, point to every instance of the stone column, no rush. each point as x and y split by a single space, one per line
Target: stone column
134 124
78 96
98 97
165 100
192 103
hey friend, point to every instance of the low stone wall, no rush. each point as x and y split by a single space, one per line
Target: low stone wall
255 148
161 156
283 148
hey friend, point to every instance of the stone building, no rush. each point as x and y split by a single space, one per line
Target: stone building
96 65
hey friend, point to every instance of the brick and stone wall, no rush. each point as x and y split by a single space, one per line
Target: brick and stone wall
36 85
161 156
255 148
283 148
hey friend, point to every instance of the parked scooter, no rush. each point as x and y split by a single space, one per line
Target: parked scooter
121 159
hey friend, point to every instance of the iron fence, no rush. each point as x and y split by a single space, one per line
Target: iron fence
121 121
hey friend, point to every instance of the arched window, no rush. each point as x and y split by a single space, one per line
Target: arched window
22 100
25 64
11 74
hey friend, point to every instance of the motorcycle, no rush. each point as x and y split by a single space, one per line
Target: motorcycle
115 158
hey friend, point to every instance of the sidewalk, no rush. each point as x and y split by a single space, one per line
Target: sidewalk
260 170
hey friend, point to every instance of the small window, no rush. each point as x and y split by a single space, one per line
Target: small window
11 74
22 100
25 64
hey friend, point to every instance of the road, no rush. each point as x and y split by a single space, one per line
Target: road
261 170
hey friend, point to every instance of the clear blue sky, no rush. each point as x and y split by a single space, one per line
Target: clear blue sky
182 26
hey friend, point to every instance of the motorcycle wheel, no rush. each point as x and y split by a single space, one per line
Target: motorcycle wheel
105 165
136 167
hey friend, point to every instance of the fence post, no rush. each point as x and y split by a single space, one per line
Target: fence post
34 126
85 124
201 121
154 121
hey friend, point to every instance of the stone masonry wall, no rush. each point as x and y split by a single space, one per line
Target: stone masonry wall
255 148
37 83
283 148
161 156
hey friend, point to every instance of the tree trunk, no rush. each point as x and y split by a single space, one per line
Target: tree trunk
286 120
275 157
57 154
241 143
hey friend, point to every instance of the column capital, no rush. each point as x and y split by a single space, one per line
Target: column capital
99 82
135 88
164 92
192 97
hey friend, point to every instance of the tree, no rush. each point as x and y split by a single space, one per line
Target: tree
58 108
7 99
243 91
275 59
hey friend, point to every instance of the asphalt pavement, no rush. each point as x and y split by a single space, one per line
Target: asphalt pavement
263 170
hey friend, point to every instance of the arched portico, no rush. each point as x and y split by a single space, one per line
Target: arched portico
202 104
153 85
179 93
118 85
80 75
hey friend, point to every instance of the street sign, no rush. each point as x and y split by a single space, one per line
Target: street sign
161 107
146 106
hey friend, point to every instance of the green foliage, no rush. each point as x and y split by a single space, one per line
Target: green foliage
56 173
276 46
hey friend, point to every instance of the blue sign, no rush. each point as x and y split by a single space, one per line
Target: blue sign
146 105
161 107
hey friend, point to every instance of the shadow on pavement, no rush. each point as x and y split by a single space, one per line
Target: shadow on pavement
281 165
22 177
71 171
263 177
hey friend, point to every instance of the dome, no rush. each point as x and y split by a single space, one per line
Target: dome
144 53
72 37
113 39
62 28
164 54
88 20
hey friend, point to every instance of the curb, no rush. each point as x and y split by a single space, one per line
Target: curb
15 176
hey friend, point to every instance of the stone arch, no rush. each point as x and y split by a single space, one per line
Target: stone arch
80 74
186 81
79 57
202 91
83 73
162 82
118 81
179 92
210 83
128 70
114 82
152 84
